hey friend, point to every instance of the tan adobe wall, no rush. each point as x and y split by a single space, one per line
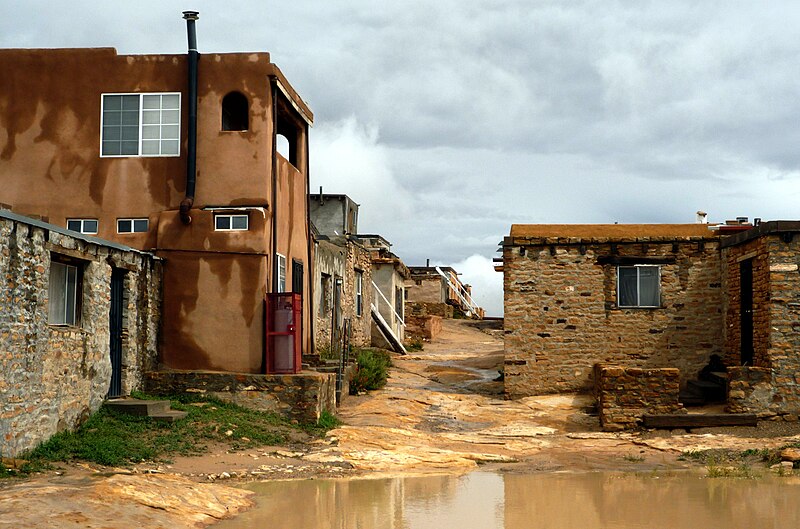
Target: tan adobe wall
625 394
561 316
425 289
55 376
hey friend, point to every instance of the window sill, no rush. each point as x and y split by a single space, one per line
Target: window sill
65 327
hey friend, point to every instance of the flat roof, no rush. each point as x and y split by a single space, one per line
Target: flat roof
610 231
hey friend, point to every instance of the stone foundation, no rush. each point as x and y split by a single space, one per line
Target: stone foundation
423 327
751 390
302 397
625 394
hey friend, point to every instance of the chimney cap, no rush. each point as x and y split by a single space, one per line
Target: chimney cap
191 15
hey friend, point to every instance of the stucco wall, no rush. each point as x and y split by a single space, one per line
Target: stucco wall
426 289
561 316
55 376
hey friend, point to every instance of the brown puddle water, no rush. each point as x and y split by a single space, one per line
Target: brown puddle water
487 500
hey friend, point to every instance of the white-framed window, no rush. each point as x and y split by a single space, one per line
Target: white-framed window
224 222
325 294
144 124
63 290
639 286
132 225
280 270
359 292
87 226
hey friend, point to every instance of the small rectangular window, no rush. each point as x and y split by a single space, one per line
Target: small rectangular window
280 270
325 295
86 226
132 225
359 292
231 222
140 124
63 290
639 286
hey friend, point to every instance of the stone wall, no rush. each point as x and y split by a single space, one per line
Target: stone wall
329 259
358 258
561 313
303 396
55 376
421 308
425 288
751 390
423 327
625 394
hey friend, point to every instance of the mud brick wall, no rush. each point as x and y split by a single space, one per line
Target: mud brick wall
425 288
625 394
423 327
776 319
55 376
303 396
422 308
562 318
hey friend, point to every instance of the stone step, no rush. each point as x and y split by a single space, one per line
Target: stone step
141 408
698 420
711 391
169 416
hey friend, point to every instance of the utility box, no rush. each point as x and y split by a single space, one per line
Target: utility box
284 332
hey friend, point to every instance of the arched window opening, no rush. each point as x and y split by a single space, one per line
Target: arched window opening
283 146
235 112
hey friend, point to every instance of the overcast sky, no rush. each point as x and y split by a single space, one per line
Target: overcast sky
450 120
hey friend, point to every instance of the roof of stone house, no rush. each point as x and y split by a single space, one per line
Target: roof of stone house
589 232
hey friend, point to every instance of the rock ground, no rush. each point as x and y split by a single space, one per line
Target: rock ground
442 409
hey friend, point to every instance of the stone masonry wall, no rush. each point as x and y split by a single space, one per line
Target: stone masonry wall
358 258
303 396
55 376
561 315
751 390
329 259
423 327
625 394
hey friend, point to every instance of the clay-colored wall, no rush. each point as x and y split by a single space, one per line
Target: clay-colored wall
429 289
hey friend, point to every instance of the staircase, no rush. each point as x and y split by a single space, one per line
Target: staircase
157 409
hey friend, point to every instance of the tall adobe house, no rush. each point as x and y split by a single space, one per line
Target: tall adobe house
177 155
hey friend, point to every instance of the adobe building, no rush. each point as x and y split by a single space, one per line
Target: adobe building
177 155
635 312
388 298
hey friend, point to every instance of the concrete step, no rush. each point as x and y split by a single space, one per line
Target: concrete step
141 408
169 416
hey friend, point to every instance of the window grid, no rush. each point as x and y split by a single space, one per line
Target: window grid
133 225
231 222
85 226
280 265
143 124
641 279
359 295
63 294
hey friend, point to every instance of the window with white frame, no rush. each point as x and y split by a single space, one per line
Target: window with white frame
132 225
63 294
87 226
141 124
639 286
359 292
230 222
325 294
280 270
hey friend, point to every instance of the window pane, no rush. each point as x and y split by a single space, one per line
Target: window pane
111 148
112 118
169 146
129 147
89 226
223 222
171 116
130 118
151 117
171 101
239 222
627 279
56 293
151 101
140 225
112 102
129 133
130 102
112 133
124 226
170 132
150 147
70 295
648 286
150 132
74 225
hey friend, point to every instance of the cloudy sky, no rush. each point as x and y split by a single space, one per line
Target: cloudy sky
450 120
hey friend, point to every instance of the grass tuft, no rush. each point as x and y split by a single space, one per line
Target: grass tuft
372 370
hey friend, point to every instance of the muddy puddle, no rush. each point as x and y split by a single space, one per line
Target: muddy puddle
489 500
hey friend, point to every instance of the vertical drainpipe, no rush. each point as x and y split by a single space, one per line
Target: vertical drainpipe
191 162
310 274
273 81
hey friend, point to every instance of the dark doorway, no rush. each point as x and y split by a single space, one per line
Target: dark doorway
746 311
115 328
297 277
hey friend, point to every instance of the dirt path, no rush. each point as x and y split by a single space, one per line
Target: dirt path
442 409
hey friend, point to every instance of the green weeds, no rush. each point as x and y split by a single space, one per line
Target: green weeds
372 370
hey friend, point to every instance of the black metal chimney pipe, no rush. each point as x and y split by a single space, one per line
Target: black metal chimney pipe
191 162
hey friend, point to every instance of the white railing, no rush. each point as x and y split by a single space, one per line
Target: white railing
465 298
391 307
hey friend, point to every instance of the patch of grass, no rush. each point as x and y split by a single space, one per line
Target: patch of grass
414 344
112 438
633 458
372 370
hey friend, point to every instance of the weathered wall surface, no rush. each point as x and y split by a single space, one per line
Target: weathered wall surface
358 258
625 394
561 313
303 396
423 327
329 260
425 289
55 376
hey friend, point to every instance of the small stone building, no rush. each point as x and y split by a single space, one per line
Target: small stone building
388 289
79 321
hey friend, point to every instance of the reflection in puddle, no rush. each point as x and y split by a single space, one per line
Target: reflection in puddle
489 500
